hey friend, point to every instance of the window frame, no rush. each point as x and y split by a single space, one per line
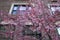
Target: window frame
52 5
11 9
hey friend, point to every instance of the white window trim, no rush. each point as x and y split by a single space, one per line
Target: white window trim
10 11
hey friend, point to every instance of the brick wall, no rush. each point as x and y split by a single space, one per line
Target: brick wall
6 4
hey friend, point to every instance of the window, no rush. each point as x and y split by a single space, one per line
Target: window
19 7
22 7
53 0
57 23
58 29
54 7
2 28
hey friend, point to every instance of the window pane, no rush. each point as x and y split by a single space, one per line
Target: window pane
29 8
53 8
58 8
22 8
58 29
14 12
15 8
